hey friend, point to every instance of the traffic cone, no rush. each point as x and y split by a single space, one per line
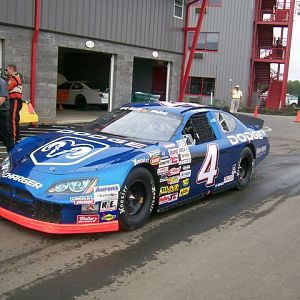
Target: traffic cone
298 117
255 115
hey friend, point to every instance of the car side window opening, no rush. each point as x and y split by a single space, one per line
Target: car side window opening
226 122
198 130
65 86
77 86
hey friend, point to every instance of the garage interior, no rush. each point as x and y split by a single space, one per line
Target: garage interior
83 66
150 76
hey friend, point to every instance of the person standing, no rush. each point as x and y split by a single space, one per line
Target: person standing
5 130
236 99
15 99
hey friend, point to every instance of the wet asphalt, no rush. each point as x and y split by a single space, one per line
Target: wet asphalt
234 245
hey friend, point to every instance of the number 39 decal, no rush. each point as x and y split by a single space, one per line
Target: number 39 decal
209 169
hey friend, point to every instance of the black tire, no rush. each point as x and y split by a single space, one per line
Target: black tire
245 168
80 102
137 199
294 105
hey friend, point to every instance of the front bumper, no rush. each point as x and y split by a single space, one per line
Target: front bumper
55 228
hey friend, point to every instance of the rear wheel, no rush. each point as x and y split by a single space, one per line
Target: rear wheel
244 168
80 102
137 199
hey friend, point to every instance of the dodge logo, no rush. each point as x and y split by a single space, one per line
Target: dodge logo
66 151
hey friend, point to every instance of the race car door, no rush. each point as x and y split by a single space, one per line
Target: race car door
208 155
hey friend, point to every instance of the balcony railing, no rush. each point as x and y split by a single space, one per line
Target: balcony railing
271 53
280 15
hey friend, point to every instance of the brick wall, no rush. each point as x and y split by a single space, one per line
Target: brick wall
17 49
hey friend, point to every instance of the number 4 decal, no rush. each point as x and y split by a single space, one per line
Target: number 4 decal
209 169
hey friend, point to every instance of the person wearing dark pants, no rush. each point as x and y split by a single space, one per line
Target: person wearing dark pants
5 130
15 99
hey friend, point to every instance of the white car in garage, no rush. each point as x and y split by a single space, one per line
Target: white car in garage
81 93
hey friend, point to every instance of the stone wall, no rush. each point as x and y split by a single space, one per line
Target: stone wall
17 49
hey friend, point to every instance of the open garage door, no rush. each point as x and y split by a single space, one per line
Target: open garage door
150 76
83 81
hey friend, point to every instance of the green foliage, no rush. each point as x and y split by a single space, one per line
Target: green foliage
294 87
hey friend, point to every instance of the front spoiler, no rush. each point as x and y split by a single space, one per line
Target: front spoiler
58 228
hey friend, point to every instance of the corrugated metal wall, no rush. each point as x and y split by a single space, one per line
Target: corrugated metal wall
17 12
138 22
234 22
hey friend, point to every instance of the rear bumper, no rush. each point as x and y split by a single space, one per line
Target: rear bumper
58 228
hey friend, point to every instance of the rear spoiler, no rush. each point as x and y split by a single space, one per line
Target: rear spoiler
249 121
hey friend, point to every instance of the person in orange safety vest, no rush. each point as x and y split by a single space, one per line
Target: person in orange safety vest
15 99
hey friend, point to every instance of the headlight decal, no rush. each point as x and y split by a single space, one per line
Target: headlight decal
74 186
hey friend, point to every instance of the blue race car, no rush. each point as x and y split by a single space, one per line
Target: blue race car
113 172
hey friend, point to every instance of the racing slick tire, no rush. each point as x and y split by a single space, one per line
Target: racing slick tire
137 199
80 102
244 168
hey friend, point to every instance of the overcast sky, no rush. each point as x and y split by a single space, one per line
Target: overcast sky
294 70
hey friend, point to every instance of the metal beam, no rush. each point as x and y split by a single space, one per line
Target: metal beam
186 71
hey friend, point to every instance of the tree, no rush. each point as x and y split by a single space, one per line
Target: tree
294 87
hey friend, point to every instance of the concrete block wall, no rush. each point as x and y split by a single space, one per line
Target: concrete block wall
17 49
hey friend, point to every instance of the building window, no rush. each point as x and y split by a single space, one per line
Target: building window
178 9
207 41
210 3
200 86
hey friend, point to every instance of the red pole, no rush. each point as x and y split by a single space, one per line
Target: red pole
37 17
287 54
192 51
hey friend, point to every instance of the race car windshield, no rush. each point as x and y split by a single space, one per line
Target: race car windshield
138 124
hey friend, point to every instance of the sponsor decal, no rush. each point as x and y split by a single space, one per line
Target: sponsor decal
233 172
174 160
89 208
168 146
184 192
153 153
185 162
246 137
66 151
185 174
168 198
173 152
169 189
163 178
185 156
138 161
155 160
106 192
163 170
181 143
185 182
103 138
78 200
164 163
24 180
173 180
108 205
87 219
107 217
228 178
260 151
174 171
186 167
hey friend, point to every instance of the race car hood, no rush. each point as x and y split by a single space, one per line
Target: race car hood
67 151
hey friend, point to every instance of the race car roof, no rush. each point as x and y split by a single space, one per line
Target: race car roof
172 107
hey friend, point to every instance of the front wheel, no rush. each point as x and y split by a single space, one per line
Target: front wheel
137 199
244 168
